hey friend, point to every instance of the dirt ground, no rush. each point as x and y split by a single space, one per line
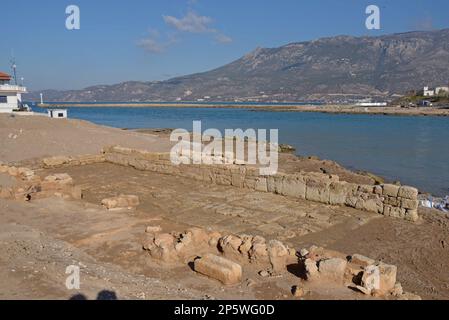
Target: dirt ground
39 239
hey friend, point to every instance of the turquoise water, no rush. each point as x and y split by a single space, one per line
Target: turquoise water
413 150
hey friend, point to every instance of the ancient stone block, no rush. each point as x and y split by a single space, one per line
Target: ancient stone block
122 201
261 184
277 254
221 269
411 215
338 191
409 204
55 161
394 212
408 192
388 275
230 244
317 190
361 260
311 269
333 269
371 279
390 190
294 186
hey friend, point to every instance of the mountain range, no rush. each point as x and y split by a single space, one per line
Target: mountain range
328 69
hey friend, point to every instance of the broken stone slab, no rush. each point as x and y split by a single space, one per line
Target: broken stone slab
120 202
221 269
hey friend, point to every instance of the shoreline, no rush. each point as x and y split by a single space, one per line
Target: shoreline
331 109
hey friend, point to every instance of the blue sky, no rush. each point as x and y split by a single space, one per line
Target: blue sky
159 39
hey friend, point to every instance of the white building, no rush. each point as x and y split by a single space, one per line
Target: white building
427 92
441 90
10 95
57 113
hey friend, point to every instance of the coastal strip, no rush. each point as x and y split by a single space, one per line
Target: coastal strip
333 109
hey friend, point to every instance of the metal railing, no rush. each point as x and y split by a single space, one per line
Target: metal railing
14 88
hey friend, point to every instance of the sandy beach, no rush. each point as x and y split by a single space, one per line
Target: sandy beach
40 237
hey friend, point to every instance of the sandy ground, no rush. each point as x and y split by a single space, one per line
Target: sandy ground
39 239
29 137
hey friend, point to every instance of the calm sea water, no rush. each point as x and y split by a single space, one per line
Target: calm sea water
413 150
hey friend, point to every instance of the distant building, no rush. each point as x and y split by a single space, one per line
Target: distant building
10 95
427 92
441 90
57 113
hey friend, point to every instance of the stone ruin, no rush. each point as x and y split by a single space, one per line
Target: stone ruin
386 199
30 186
225 257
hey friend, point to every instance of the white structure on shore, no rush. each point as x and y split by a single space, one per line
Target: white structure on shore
10 95
57 113
428 92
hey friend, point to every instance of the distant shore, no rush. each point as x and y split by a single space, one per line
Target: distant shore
337 109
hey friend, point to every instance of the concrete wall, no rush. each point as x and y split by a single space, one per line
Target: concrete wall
389 200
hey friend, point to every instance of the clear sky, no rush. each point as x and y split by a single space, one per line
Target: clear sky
159 39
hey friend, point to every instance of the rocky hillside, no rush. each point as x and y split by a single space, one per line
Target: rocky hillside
334 68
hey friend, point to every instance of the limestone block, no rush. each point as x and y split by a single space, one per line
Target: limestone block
122 201
221 269
260 184
317 190
311 269
409 204
55 161
408 192
391 190
411 215
294 186
333 269
277 254
361 260
338 192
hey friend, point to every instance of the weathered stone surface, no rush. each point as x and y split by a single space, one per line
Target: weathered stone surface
409 204
230 244
391 190
388 275
261 184
362 260
311 269
57 181
338 191
258 251
394 212
317 190
153 229
371 278
122 201
408 192
294 186
162 247
55 161
411 215
221 269
277 254
333 269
